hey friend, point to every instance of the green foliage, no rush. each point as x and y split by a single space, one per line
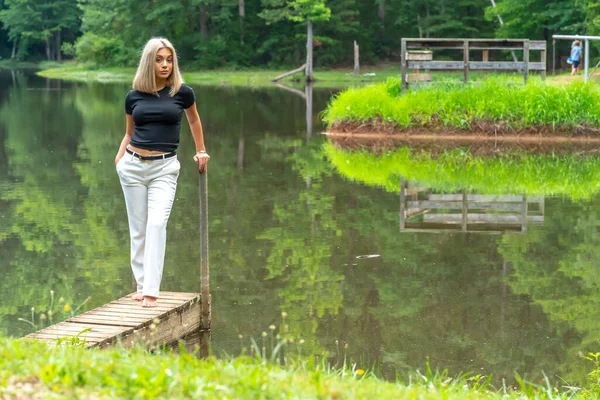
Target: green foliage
457 105
569 175
104 51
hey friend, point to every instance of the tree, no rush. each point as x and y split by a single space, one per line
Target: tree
39 21
299 11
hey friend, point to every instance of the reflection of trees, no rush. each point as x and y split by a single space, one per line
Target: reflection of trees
557 268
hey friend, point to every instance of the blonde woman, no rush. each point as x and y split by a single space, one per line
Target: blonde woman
147 163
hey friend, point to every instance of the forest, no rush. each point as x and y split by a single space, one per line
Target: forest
271 33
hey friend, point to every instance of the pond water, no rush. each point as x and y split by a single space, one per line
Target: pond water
289 234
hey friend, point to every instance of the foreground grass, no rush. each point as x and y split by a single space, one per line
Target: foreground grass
452 171
462 106
34 370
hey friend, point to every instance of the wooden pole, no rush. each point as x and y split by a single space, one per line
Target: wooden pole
525 60
403 65
402 203
553 56
356 59
485 58
205 311
466 60
544 61
309 51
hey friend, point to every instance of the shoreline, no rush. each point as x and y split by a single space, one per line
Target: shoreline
330 78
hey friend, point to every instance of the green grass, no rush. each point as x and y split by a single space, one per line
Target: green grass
252 77
31 369
448 104
452 171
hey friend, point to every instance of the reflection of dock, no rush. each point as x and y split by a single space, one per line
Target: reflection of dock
421 211
124 321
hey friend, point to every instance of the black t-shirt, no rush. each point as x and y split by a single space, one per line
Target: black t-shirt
157 120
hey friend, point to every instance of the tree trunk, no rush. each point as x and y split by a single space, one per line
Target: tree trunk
419 26
203 22
14 49
242 11
58 43
381 11
427 17
309 51
48 53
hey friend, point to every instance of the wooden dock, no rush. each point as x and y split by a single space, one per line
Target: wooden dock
126 322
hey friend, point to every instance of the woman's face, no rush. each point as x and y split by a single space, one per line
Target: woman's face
163 64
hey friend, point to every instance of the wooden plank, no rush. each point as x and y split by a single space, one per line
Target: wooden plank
94 320
436 64
87 335
479 218
122 315
171 328
504 66
76 328
458 205
44 336
537 45
419 77
126 321
419 55
478 197
432 226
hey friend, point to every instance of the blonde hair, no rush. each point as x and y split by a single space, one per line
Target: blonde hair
145 77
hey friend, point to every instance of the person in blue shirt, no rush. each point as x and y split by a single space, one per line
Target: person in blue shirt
576 57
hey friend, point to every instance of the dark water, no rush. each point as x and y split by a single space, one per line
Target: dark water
287 234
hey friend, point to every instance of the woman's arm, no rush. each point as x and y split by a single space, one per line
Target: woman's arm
126 138
201 158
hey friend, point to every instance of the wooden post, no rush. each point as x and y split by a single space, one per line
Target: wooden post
485 58
356 59
402 203
586 60
205 312
308 95
465 210
466 60
544 61
525 60
524 214
403 65
309 51
553 56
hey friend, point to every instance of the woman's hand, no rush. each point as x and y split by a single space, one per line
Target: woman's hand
201 158
117 158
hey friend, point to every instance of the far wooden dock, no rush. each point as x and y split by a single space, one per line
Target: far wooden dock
125 322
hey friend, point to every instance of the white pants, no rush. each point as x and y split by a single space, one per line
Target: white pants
149 189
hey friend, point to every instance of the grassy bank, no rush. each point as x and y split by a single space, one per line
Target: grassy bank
490 106
33 370
255 77
454 170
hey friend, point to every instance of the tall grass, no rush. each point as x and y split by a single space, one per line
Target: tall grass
459 105
518 173
36 370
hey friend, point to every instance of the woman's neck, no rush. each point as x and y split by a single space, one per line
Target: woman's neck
160 84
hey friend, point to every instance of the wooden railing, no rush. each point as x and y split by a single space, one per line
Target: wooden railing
417 61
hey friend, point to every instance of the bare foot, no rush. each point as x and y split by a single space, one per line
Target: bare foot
149 301
137 297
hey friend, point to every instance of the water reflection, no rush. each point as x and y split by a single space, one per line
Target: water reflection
287 229
422 210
